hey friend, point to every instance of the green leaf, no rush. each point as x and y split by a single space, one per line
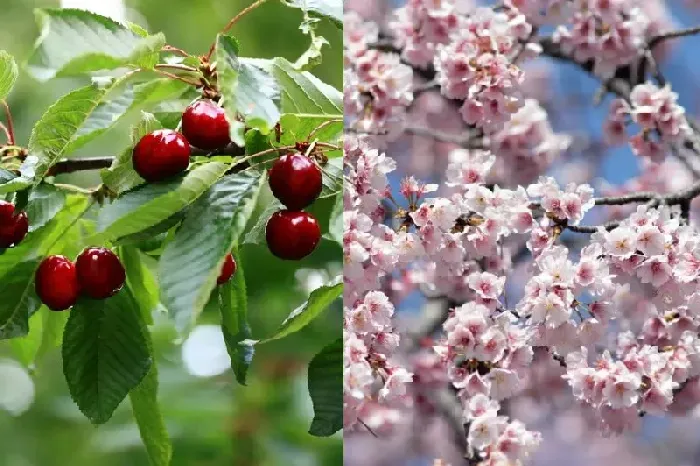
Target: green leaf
313 56
57 129
256 235
326 390
331 9
145 406
150 204
105 354
247 89
335 228
191 262
121 176
19 300
8 74
302 92
318 301
233 302
124 98
53 325
332 178
75 42
298 127
45 202
44 240
26 348
140 281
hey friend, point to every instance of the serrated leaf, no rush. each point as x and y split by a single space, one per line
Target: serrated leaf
313 56
124 98
144 400
299 126
331 9
8 74
105 354
318 301
75 42
247 89
55 131
332 178
256 235
302 92
19 299
43 240
121 176
150 204
335 227
140 281
45 202
233 302
191 262
326 390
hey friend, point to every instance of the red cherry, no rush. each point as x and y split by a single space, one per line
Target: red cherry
13 226
227 270
56 283
204 124
161 154
295 180
100 273
292 235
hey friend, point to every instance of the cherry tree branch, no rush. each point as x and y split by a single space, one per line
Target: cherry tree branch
659 38
76 164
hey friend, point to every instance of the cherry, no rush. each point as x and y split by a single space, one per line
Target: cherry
100 273
13 225
292 235
56 283
161 154
295 180
204 124
227 270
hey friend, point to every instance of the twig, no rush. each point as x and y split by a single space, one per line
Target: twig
10 124
170 48
176 66
659 38
233 21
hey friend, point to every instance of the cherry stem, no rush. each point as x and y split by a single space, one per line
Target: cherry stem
179 78
321 126
170 48
233 21
7 133
176 66
10 124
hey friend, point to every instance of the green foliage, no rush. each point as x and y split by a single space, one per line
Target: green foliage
170 236
233 302
74 42
326 389
8 74
105 354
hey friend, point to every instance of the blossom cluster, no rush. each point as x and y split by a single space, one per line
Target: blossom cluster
477 66
610 33
496 439
377 86
656 111
372 379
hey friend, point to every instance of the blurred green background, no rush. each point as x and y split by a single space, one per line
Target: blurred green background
212 420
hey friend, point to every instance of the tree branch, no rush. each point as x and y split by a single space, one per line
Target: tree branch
76 164
659 38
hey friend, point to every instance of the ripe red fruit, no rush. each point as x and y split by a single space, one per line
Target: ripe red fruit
13 225
204 124
292 235
161 154
295 180
227 270
56 283
100 273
